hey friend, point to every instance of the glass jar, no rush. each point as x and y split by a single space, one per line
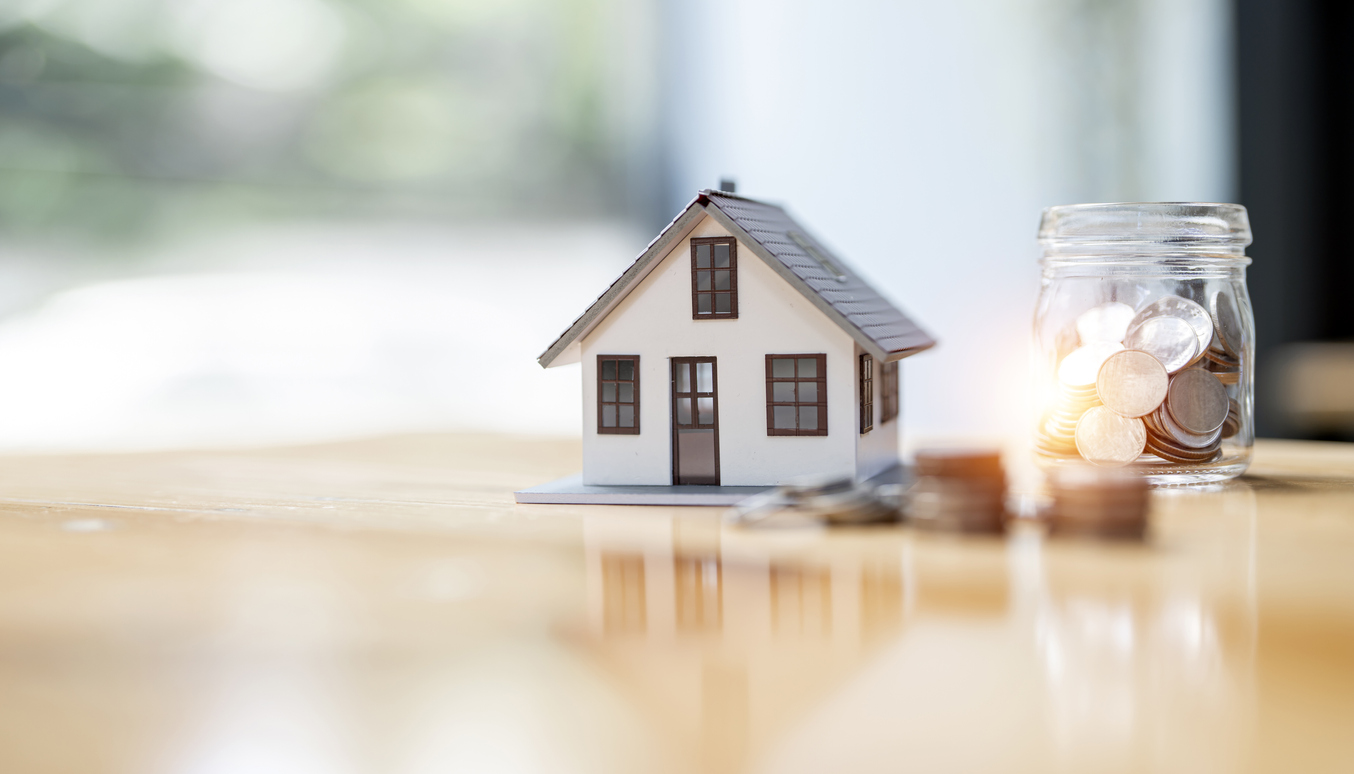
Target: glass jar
1144 340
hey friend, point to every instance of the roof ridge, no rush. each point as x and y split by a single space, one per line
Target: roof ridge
731 195
849 300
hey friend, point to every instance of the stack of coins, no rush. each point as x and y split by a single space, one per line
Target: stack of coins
958 490
1148 381
1076 395
831 501
1058 430
1097 502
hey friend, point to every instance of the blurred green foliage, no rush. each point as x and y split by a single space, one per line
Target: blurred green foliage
122 116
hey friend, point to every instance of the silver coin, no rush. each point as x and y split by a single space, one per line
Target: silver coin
1081 366
1228 322
1169 339
1166 431
1132 383
1105 438
1197 401
1107 322
1200 321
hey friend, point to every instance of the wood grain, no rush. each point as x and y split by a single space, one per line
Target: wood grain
384 606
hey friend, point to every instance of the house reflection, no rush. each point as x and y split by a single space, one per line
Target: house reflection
801 601
773 647
623 597
669 578
699 582
730 637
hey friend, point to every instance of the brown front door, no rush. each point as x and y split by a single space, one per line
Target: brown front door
695 421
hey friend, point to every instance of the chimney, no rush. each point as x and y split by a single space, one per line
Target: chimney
728 185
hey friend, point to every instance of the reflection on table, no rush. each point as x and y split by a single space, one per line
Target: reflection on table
792 650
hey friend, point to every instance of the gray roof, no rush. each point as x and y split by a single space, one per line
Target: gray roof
788 248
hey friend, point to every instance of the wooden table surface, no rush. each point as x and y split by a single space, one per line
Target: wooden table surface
383 606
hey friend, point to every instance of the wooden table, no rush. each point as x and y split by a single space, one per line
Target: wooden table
383 606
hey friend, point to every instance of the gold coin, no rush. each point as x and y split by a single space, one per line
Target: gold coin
1105 438
1222 359
1132 383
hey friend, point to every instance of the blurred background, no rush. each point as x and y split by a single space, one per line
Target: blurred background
235 222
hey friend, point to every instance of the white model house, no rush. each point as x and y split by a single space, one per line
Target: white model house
737 351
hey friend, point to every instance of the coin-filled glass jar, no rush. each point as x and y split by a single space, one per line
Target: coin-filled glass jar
1144 340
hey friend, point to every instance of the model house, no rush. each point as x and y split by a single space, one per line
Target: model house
737 351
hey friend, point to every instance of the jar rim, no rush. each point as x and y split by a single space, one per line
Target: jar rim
1172 223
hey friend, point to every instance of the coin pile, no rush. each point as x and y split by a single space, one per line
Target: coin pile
958 490
838 501
1097 502
1148 381
1187 426
1076 394
1223 356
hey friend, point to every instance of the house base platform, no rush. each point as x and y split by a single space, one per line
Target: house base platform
572 490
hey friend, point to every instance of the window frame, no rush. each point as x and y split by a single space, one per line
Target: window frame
617 430
891 397
732 292
866 379
771 403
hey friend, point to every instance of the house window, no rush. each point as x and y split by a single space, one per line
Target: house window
714 278
866 394
618 394
890 393
796 394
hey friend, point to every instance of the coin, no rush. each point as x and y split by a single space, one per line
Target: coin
1087 504
1232 425
1169 339
1221 358
1198 318
1081 366
1197 401
959 462
1107 322
1228 322
1171 454
958 489
1105 438
1132 383
1173 433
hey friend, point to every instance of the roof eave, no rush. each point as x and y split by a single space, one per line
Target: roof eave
621 287
784 272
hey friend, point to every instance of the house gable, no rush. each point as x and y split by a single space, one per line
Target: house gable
654 321
790 252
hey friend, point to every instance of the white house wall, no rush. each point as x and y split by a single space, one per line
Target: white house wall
654 322
877 450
